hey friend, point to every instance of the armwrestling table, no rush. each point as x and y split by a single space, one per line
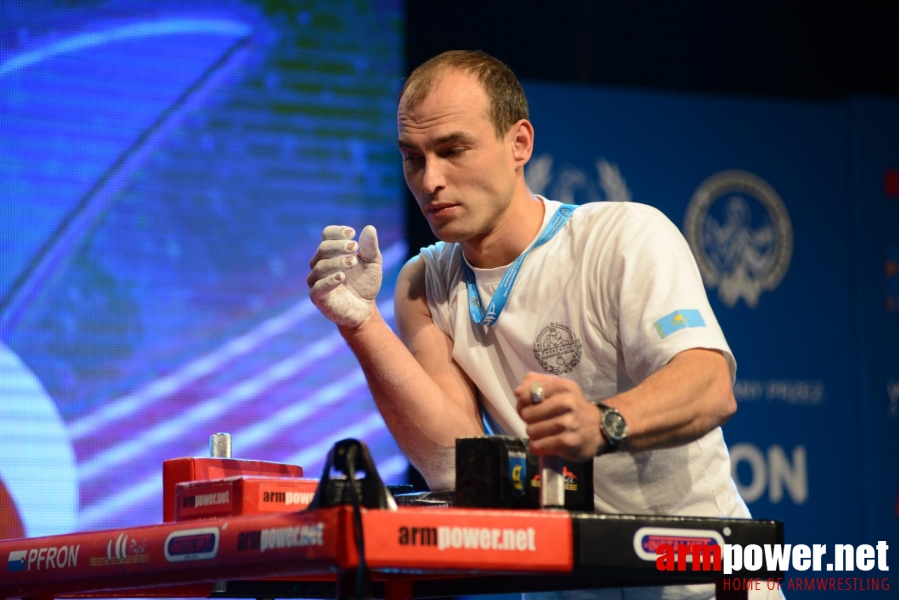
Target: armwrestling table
408 552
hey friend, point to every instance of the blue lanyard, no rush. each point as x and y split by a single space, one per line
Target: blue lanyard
498 302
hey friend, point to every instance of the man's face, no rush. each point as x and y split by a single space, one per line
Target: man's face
462 176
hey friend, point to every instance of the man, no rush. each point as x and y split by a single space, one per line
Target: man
602 303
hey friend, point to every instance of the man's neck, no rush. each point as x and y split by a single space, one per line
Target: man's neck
518 227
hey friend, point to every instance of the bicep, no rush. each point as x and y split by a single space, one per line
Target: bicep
431 347
709 372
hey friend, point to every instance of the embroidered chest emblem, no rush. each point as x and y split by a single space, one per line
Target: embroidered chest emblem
557 349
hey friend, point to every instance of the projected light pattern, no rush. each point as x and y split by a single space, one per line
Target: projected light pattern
76 43
72 167
164 179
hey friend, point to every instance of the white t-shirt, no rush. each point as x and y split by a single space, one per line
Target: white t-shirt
597 304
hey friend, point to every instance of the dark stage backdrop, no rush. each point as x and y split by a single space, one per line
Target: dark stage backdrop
166 169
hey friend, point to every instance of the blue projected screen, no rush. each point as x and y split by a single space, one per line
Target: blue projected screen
166 169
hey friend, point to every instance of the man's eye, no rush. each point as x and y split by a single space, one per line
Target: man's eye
411 157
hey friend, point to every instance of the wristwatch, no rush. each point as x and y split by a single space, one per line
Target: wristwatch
612 425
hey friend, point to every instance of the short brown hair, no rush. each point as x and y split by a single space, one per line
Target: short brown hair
508 104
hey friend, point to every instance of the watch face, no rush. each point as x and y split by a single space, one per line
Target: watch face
615 425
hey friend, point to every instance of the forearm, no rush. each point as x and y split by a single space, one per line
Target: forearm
679 403
420 415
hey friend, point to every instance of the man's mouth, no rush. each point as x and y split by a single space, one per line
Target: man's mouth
440 209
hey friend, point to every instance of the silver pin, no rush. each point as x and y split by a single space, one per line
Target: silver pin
220 445
552 476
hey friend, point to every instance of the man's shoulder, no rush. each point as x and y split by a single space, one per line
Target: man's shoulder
441 253
607 221
441 260
619 211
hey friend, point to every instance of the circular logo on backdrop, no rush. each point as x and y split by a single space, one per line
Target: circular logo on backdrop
740 234
557 349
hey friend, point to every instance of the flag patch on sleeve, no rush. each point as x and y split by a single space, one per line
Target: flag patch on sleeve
679 319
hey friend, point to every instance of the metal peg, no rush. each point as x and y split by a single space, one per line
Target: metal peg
552 477
220 445
552 482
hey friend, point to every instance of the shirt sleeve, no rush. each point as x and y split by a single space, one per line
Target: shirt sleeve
662 306
440 261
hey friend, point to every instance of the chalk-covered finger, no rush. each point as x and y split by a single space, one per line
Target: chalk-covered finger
328 266
322 287
368 245
330 248
333 247
338 232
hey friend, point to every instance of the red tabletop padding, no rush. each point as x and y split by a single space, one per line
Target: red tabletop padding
535 550
194 552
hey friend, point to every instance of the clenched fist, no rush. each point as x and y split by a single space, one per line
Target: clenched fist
346 275
564 423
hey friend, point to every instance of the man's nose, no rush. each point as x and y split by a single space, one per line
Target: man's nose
433 179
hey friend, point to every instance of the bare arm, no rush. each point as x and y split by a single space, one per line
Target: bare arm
677 404
680 402
424 397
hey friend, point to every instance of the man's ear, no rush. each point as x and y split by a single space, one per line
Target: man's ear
521 136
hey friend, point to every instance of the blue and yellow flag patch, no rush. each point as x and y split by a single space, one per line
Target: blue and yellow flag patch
679 319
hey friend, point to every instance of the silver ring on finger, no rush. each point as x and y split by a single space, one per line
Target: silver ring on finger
537 393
